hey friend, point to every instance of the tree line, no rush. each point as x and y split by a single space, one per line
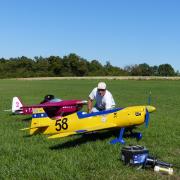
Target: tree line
74 65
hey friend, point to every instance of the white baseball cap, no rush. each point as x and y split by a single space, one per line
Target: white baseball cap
101 85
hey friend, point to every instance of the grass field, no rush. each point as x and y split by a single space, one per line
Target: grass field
89 156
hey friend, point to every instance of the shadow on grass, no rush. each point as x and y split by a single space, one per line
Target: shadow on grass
27 136
85 138
21 117
27 119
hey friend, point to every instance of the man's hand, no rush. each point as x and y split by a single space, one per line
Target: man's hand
90 104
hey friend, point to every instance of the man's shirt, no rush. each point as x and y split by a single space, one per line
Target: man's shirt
102 102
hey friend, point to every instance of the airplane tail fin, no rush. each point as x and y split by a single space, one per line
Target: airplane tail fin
40 121
17 106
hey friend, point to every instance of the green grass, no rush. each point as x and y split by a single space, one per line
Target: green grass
89 156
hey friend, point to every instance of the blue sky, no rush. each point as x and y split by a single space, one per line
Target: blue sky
124 32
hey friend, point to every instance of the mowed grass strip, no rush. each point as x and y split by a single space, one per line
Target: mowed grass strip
87 156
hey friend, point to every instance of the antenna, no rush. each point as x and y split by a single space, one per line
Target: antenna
149 98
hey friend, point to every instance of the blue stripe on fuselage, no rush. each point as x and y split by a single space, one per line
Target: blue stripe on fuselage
81 131
39 115
82 115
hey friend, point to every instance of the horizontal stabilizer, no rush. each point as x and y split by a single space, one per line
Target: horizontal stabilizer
24 129
7 110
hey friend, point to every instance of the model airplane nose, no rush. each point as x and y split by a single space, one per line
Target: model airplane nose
84 102
150 108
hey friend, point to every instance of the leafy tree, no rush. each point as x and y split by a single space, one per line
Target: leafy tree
55 65
113 71
154 70
178 73
166 70
140 70
41 66
145 70
135 70
96 68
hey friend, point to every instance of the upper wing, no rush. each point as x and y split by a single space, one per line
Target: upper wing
95 128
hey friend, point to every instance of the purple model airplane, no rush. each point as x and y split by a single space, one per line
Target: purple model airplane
52 106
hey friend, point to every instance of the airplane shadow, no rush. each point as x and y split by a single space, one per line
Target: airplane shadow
27 136
85 138
27 119
24 118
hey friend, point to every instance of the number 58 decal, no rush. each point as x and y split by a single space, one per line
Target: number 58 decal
61 124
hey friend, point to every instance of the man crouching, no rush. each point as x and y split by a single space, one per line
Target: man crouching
104 99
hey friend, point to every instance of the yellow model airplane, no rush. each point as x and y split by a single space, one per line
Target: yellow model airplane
80 122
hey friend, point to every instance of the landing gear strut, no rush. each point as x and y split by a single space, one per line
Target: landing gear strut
120 139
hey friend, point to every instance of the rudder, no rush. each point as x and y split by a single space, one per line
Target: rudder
17 106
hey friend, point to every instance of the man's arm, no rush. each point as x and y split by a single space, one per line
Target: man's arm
90 105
